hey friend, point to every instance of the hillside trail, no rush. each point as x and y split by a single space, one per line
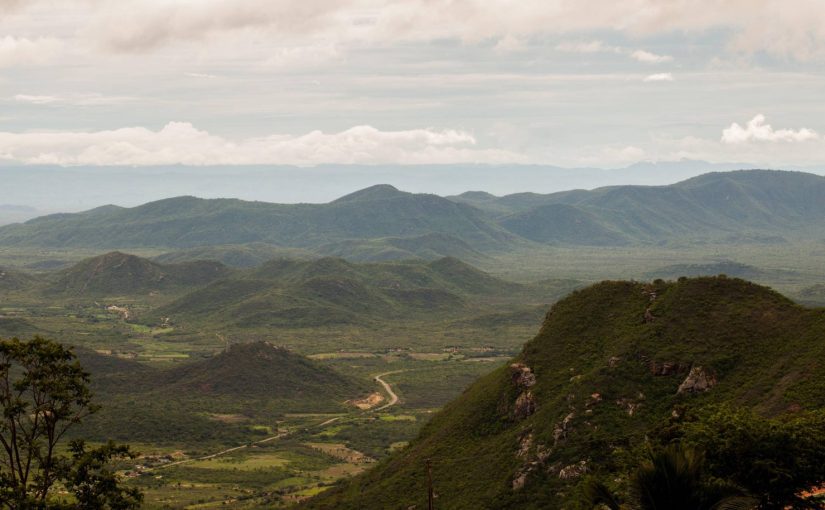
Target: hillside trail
378 378
388 389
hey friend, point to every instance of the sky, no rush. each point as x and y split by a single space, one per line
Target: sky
573 83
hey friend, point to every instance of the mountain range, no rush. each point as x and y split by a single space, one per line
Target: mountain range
382 222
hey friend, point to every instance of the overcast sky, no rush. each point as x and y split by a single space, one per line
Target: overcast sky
564 82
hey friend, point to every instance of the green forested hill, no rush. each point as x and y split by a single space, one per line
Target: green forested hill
253 381
183 222
611 362
382 222
118 273
288 292
734 206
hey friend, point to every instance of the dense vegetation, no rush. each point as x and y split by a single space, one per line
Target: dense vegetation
216 399
609 365
381 222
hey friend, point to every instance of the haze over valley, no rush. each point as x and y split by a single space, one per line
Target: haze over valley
382 254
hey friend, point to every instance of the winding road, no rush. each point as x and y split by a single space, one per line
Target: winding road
378 379
388 389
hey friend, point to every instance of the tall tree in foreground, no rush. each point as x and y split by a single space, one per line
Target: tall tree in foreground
43 393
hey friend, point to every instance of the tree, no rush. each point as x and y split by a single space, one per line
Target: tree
44 392
671 478
775 460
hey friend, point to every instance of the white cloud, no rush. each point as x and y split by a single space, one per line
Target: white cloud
757 130
796 31
587 47
18 51
200 75
303 56
182 143
658 77
74 100
650 58
26 98
509 44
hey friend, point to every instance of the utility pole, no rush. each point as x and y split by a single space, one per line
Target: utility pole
430 505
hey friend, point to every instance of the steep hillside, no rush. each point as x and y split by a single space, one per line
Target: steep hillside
609 363
118 273
184 222
331 291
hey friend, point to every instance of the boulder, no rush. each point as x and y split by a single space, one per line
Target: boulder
698 380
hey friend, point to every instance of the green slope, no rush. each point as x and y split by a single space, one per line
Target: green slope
239 256
606 366
252 382
328 291
11 280
189 222
118 273
742 206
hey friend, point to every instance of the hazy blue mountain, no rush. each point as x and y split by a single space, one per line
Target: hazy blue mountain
376 212
373 223
753 205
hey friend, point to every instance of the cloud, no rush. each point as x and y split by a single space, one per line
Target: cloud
587 47
20 51
509 44
303 56
650 58
658 77
771 26
757 130
201 75
182 143
26 98
75 100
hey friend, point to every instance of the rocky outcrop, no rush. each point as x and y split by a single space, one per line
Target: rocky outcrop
525 405
561 429
697 381
524 379
533 459
667 367
523 376
573 470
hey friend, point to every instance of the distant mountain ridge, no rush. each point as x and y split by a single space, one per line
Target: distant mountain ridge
183 222
373 224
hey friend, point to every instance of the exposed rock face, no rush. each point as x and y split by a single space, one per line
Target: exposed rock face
523 375
613 362
524 379
532 461
561 429
525 405
697 381
573 470
667 367
649 316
